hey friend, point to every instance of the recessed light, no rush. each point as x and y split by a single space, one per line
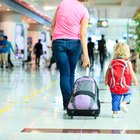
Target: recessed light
48 8
7 9
0 5
32 6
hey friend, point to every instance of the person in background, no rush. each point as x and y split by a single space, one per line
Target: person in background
134 59
102 51
44 42
69 35
52 59
19 40
9 45
91 48
29 56
3 51
38 50
45 54
120 96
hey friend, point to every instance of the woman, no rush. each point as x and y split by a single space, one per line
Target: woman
69 35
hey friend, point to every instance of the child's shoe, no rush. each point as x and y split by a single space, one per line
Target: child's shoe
123 107
115 115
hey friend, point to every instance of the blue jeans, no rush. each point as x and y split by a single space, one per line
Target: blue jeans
66 53
116 99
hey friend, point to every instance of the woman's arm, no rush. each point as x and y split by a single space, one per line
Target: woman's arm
133 73
83 36
53 22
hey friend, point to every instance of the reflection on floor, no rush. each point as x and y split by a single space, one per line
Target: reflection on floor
31 109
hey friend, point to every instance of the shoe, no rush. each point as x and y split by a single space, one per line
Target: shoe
115 115
128 102
123 107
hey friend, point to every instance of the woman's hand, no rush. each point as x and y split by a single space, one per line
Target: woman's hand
86 62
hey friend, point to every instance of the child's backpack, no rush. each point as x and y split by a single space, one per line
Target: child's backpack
119 77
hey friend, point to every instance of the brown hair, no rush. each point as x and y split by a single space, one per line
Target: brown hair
83 0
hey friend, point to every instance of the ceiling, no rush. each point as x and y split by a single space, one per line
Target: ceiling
5 9
112 9
98 8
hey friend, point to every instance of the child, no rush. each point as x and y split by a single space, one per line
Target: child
118 77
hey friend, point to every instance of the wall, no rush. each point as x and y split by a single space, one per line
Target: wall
8 21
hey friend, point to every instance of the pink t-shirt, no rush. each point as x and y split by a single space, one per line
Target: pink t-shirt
68 19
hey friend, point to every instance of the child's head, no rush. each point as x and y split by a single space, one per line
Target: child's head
122 51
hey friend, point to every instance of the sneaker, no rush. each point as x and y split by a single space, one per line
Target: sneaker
115 115
123 107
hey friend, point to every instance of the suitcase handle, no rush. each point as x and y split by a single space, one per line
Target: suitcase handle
90 71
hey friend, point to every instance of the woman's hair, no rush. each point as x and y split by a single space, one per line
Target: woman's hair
122 51
83 0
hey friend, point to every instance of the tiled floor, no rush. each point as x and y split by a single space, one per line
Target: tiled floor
31 109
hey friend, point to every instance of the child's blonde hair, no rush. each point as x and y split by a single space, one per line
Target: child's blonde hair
122 51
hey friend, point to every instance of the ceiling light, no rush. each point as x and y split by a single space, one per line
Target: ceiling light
32 6
7 9
0 5
48 8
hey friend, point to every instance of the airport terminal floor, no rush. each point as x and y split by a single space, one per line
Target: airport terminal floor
31 109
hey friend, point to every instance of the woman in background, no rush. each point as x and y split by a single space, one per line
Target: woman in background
19 41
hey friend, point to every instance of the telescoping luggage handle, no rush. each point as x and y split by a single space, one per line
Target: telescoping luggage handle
90 71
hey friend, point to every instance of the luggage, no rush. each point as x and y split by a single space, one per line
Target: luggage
85 98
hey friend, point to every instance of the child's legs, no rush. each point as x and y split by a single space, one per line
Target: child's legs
127 97
116 99
5 58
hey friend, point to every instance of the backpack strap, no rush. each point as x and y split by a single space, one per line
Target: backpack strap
112 79
123 80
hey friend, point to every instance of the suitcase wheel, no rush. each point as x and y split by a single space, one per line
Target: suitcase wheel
71 117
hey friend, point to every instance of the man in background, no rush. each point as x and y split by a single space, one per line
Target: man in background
3 51
91 48
38 50
9 47
102 51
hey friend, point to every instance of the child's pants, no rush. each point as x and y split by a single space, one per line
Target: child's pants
116 99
